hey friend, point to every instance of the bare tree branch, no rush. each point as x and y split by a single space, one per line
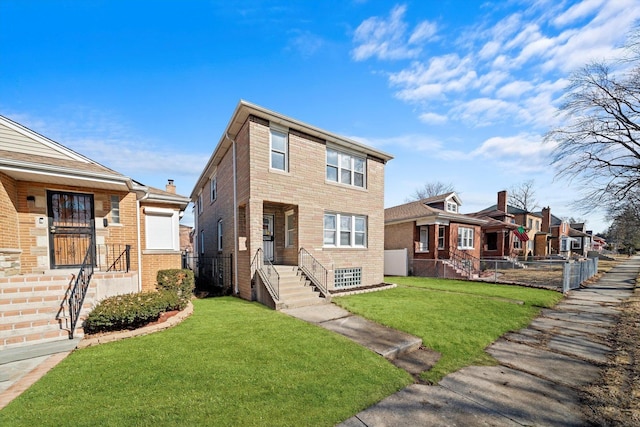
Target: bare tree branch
431 189
599 144
523 196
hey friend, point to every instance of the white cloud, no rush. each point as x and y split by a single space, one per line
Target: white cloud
433 118
424 32
514 89
414 142
577 11
305 43
387 39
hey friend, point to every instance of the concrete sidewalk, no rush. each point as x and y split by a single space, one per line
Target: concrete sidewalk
541 368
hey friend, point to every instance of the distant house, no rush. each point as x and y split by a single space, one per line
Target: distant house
290 204
535 241
65 217
435 235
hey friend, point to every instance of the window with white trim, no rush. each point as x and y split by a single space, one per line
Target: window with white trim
213 189
115 209
576 244
517 243
452 207
289 226
423 243
441 231
465 238
161 229
279 146
564 244
347 231
346 168
220 235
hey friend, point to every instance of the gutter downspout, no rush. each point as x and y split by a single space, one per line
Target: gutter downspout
235 216
146 195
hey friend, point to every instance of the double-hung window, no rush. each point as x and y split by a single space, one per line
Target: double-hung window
423 243
290 229
219 235
346 168
115 209
279 150
441 231
213 189
465 238
342 230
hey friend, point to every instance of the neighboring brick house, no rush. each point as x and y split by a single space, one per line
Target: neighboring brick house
566 239
56 204
435 235
279 192
537 242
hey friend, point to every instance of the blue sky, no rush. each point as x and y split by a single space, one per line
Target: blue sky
457 91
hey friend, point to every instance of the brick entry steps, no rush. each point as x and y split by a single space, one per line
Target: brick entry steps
33 309
295 289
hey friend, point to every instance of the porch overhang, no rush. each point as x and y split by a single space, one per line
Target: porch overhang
22 171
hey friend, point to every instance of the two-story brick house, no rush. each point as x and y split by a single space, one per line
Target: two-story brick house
279 196
61 211
440 241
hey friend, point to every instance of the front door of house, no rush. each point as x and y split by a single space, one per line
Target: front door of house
71 227
268 244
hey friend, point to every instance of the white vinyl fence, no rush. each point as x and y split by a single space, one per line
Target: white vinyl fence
396 262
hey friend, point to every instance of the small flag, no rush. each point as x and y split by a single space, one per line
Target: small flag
521 233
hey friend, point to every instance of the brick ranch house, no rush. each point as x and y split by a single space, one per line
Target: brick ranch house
440 241
299 210
68 222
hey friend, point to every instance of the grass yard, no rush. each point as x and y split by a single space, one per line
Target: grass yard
231 363
459 319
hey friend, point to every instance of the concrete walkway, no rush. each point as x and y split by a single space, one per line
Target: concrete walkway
541 368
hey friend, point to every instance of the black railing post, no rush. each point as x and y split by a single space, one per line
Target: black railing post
127 257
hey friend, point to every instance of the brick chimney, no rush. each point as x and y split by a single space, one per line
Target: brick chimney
546 220
171 188
502 201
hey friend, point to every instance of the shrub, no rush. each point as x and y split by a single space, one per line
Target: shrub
131 311
178 281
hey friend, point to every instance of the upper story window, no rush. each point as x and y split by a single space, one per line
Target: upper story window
115 209
452 207
199 203
345 168
213 189
343 230
279 150
465 238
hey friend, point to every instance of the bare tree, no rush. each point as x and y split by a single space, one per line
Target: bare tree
523 196
431 189
599 144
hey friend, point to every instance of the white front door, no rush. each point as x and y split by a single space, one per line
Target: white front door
267 237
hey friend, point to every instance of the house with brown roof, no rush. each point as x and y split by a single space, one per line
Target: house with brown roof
297 210
436 236
73 232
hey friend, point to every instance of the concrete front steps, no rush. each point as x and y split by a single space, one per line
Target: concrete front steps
453 272
33 309
296 290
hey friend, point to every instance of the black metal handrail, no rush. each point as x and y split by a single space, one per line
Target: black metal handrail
314 271
267 272
115 257
80 287
464 261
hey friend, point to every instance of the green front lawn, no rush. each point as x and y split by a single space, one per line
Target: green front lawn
231 363
459 319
